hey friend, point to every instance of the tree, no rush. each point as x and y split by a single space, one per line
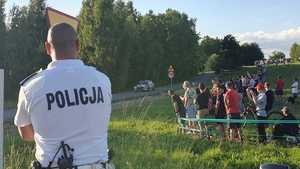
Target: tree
25 43
215 63
126 34
231 52
295 53
250 52
129 47
96 34
207 47
277 55
180 43
211 45
37 28
108 34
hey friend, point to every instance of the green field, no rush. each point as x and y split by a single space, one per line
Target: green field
143 136
287 72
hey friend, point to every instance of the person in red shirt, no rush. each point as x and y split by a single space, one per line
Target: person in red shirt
232 104
279 88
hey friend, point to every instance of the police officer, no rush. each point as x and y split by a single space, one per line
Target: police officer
69 102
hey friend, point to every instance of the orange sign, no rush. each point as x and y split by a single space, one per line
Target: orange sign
56 17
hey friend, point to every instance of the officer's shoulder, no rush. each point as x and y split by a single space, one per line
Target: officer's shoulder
31 77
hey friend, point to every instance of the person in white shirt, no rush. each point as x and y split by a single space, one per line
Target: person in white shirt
68 103
252 82
260 102
295 88
244 84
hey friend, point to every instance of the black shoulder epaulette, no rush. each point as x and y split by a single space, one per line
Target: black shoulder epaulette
29 77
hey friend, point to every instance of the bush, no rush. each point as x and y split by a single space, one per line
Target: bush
214 63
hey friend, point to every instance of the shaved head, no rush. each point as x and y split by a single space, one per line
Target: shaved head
63 39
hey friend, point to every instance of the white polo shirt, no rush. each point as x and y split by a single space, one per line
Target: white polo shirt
68 102
295 87
261 102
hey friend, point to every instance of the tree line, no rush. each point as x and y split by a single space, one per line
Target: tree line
295 53
120 41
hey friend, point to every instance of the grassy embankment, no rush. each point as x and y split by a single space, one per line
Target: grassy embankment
143 136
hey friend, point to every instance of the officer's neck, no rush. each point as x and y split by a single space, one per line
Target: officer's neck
64 56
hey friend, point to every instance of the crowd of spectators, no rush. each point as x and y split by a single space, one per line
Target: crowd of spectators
231 99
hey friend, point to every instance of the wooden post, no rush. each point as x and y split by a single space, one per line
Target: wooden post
1 117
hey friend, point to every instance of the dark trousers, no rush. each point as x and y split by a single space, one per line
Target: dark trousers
261 130
281 130
292 99
278 132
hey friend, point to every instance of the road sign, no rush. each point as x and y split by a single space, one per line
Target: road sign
1 116
171 75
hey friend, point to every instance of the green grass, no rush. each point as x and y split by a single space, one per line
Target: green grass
143 136
287 72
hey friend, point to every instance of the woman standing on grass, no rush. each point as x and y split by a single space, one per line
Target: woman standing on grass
188 100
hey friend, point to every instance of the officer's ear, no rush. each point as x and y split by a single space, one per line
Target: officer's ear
48 48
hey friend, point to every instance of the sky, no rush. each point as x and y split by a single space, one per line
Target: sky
273 24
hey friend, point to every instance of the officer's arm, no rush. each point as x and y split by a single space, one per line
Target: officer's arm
26 133
22 118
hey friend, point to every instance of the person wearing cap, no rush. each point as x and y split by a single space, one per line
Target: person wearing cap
260 102
66 105
291 129
233 111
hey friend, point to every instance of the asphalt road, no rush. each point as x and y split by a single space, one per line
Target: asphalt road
131 95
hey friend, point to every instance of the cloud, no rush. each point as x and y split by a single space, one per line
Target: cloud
270 41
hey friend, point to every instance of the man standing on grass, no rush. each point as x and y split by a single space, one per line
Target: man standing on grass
295 87
279 88
67 106
232 105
